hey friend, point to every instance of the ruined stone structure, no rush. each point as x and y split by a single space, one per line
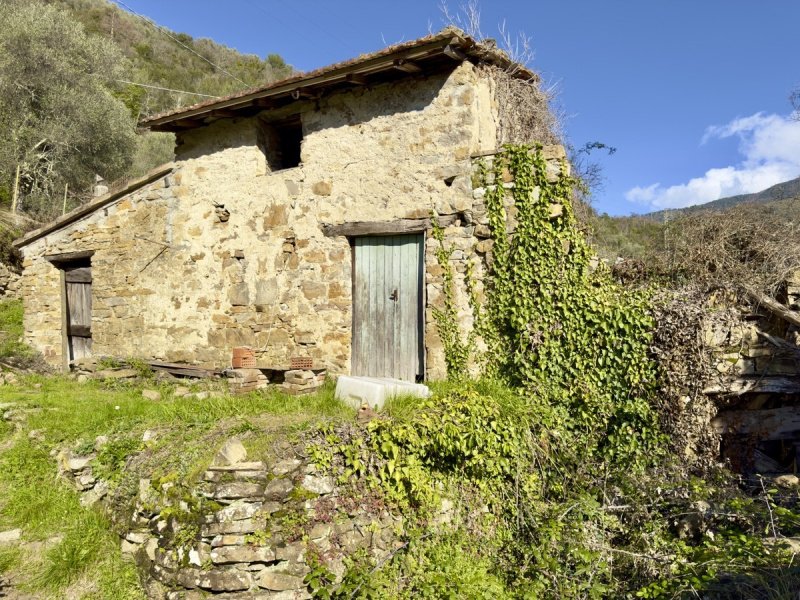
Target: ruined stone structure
295 220
738 401
754 385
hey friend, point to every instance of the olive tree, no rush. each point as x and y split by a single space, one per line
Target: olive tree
59 120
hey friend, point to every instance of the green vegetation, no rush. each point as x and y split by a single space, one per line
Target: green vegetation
536 515
662 238
156 59
59 121
66 111
780 191
547 477
11 330
627 237
550 322
559 480
81 555
748 246
80 551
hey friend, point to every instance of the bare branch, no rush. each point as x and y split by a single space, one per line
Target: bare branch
467 18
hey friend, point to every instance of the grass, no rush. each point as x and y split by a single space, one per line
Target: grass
11 330
47 508
83 559
67 411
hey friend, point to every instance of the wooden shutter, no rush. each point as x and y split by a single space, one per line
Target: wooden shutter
78 282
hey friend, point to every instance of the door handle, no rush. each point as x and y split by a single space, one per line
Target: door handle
393 296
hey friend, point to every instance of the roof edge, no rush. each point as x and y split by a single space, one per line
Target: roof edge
87 209
452 41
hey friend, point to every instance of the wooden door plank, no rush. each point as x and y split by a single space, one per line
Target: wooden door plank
361 304
420 290
411 317
79 303
369 305
79 312
355 335
81 347
386 332
402 336
379 292
387 338
397 330
79 330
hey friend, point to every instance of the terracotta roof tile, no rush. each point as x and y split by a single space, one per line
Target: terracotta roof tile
483 52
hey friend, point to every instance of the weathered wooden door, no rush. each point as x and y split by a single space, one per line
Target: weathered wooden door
78 289
387 307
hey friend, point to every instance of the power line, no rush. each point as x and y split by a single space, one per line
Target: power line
163 89
177 41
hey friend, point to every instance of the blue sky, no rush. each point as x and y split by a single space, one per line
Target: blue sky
692 93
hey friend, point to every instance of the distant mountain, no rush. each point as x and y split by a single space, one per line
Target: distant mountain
780 191
638 236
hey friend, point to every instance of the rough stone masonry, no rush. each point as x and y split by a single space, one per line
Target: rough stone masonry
224 251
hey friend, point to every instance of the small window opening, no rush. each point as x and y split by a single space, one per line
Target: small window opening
280 142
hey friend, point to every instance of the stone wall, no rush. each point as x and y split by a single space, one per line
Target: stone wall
247 530
752 375
224 252
9 283
747 345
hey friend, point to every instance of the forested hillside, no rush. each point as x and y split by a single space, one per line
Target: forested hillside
76 76
651 236
163 58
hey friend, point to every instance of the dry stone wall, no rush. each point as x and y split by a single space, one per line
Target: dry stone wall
9 283
745 367
225 252
247 530
747 344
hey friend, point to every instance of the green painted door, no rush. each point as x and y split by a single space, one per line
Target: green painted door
387 307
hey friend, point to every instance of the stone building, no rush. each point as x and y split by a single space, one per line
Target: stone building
295 220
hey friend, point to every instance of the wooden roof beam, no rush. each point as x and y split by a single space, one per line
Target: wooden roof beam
186 123
224 113
356 79
455 53
335 75
407 66
303 93
264 103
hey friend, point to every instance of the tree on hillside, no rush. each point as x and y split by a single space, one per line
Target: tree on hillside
163 58
59 121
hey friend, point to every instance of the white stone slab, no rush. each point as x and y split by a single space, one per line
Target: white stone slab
375 391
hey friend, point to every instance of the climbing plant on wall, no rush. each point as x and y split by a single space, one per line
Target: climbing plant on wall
554 323
547 477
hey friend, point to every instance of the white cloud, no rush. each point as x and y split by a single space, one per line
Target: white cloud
770 149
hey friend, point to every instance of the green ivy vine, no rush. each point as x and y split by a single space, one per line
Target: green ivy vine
553 323
457 350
